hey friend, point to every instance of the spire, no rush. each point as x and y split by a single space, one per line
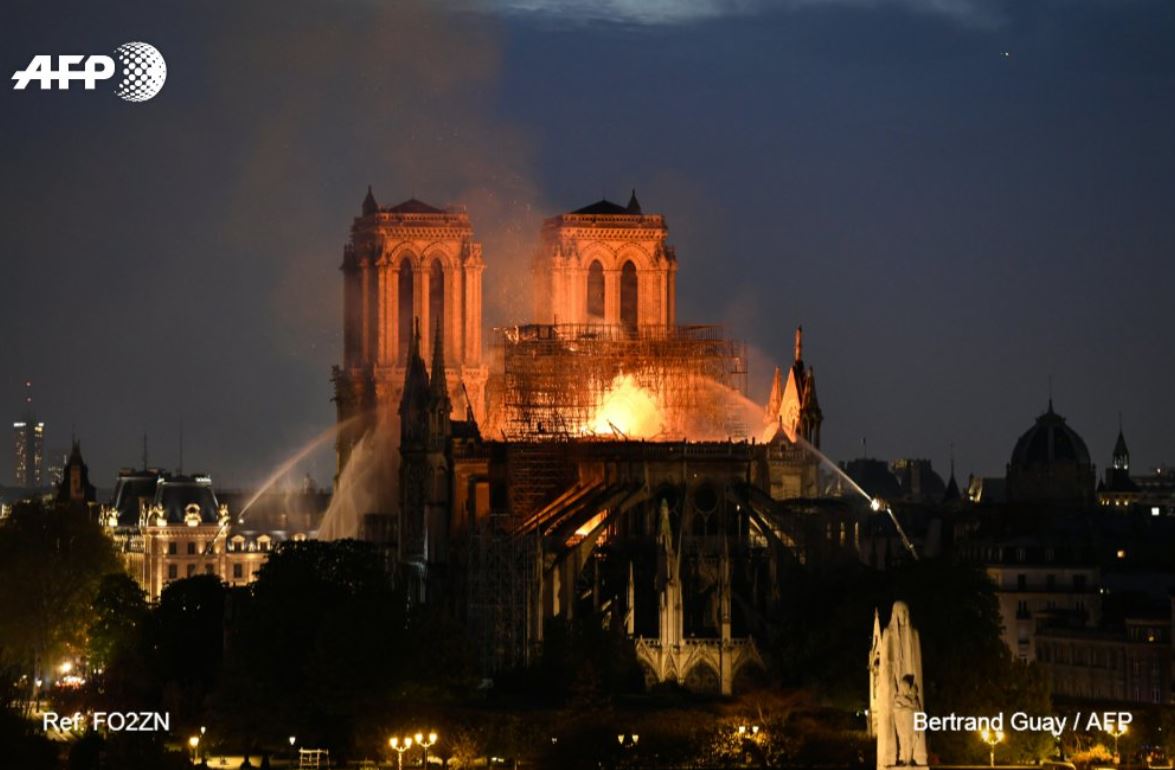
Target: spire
369 204
1121 458
799 348
634 206
952 491
415 380
775 400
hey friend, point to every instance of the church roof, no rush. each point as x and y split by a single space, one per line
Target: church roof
413 206
1120 449
607 207
1050 440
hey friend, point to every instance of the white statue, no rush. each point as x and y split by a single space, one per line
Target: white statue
895 691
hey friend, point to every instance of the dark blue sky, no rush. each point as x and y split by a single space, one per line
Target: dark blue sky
952 226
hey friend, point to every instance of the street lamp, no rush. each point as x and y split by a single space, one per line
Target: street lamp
400 747
628 740
1117 732
194 743
991 739
425 744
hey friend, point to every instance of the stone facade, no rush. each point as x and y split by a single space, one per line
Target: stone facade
605 264
405 265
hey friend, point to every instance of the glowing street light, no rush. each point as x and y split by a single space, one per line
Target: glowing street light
628 740
426 743
194 743
991 739
400 746
1117 732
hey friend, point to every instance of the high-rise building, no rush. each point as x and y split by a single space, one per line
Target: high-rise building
29 443
29 440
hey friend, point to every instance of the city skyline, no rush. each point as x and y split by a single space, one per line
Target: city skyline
988 216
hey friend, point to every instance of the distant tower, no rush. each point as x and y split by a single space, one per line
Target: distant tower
1118 489
29 443
405 262
606 264
75 487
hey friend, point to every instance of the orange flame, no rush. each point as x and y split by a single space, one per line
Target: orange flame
628 408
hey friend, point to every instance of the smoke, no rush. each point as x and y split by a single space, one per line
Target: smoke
673 12
366 483
400 96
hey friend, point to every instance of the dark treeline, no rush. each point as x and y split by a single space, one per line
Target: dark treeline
323 646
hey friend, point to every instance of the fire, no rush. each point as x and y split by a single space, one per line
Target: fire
628 408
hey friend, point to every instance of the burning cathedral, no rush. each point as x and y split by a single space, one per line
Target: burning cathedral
603 460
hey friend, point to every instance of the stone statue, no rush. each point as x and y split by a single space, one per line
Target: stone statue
895 690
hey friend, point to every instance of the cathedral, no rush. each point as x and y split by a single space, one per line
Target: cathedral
607 465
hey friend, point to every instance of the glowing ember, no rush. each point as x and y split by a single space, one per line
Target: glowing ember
629 409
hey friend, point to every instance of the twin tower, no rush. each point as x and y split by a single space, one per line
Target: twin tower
604 264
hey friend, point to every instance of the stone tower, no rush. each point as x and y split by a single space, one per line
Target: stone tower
405 262
606 264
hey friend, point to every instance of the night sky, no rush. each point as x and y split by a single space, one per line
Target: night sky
959 200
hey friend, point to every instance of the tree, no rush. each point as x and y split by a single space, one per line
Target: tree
186 638
52 560
120 612
318 647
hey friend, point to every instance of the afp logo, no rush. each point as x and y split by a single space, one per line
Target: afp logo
142 71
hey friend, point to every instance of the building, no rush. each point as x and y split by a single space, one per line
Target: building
1118 490
1130 664
1036 583
1050 465
616 468
606 264
75 487
405 266
29 445
171 526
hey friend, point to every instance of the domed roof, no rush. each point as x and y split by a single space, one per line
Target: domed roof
1050 441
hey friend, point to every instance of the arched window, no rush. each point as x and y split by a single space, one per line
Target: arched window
404 310
436 304
628 296
595 290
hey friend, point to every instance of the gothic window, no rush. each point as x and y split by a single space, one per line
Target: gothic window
436 300
595 290
628 296
404 310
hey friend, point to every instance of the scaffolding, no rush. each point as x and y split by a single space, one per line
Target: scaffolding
500 589
554 377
